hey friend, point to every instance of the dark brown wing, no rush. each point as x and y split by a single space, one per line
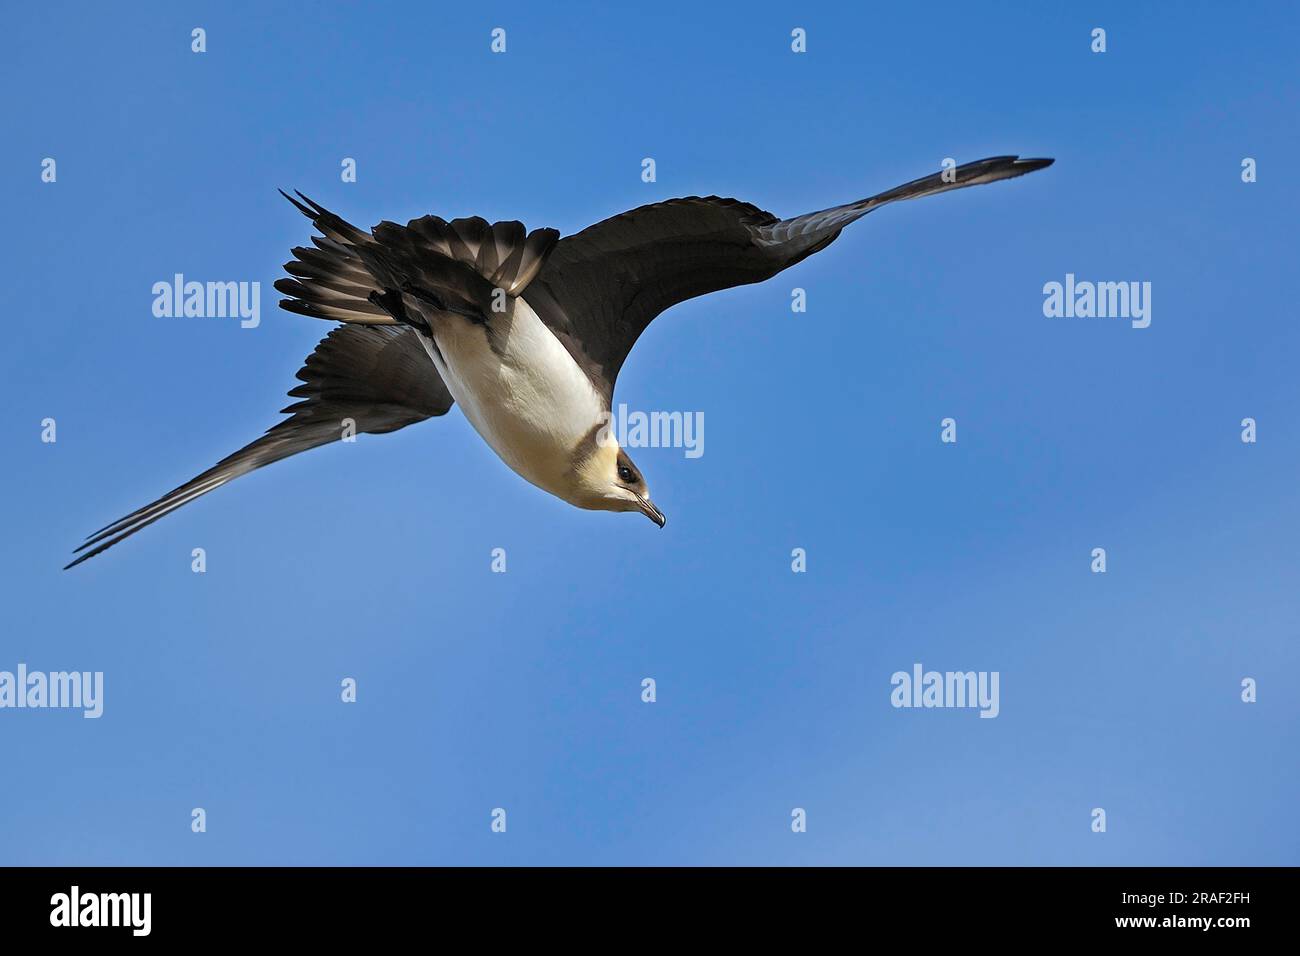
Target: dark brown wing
378 376
601 287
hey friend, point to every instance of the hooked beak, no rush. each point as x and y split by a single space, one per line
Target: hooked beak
650 511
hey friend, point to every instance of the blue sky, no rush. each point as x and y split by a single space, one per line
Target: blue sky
522 690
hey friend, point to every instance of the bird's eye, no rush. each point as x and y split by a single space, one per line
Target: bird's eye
625 474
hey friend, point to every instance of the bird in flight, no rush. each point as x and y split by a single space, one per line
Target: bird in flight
525 331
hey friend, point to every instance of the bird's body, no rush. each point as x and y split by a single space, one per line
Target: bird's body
522 392
525 331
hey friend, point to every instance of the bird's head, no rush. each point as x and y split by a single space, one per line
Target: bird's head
609 481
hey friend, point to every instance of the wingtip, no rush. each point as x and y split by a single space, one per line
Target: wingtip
88 555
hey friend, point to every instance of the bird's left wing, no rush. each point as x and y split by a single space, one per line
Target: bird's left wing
603 286
379 377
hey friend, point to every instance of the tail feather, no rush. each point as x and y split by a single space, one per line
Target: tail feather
331 281
350 269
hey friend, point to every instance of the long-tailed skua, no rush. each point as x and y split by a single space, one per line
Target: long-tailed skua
525 331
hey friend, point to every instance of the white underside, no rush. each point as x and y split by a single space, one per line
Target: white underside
529 400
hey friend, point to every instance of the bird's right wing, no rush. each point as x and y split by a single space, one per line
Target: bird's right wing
600 288
379 377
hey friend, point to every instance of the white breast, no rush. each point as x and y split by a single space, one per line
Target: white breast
527 397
